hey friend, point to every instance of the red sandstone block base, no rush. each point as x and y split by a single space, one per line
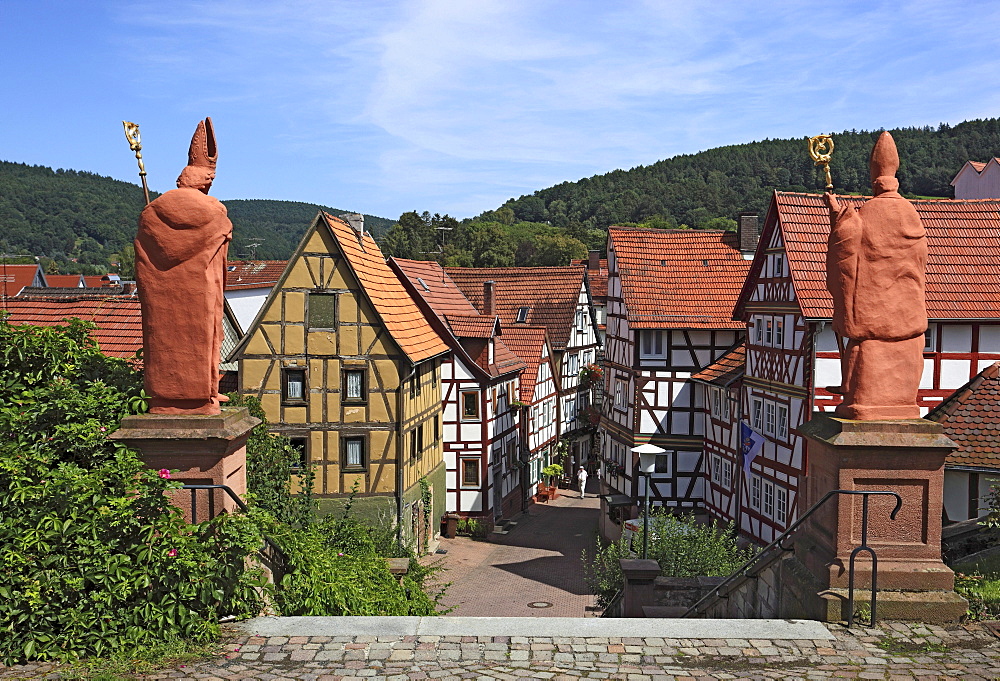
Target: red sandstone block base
204 450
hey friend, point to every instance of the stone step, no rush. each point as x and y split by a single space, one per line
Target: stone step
572 627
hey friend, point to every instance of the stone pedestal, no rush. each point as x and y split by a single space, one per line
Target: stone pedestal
906 457
205 450
639 589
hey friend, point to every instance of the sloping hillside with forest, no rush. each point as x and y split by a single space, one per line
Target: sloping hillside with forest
61 215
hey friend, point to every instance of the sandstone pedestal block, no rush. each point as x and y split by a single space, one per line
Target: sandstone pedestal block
906 457
205 450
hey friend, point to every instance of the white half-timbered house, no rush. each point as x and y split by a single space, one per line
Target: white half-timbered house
791 351
670 294
480 380
539 397
558 299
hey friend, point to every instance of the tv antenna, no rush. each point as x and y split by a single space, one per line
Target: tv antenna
252 246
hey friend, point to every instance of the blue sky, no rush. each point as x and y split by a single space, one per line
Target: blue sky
454 106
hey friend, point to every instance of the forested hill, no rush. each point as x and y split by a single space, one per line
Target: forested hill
693 188
64 214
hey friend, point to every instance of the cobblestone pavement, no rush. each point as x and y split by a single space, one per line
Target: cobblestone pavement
892 651
537 562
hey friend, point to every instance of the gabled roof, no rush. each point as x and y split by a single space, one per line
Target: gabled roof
971 417
550 293
454 317
15 277
473 326
727 369
248 274
528 343
94 280
118 318
61 292
65 280
679 278
977 166
963 238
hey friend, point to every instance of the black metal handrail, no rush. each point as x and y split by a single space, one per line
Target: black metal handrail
744 570
268 542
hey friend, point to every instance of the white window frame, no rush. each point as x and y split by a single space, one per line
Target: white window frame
781 505
779 265
767 503
779 332
727 474
758 334
768 331
782 425
716 468
755 492
650 340
770 417
757 414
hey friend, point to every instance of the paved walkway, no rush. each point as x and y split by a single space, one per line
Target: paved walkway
538 562
348 651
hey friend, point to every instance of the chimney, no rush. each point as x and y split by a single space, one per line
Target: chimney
594 260
128 287
355 220
488 306
749 232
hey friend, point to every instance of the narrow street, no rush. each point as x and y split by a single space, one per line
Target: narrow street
533 571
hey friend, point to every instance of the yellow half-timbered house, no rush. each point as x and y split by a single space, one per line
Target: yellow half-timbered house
348 368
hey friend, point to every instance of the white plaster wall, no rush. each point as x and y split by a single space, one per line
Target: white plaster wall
989 338
956 338
246 303
471 501
827 371
954 373
956 494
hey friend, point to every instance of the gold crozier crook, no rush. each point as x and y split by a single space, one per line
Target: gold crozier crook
135 144
821 149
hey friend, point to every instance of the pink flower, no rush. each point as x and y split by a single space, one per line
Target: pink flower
103 429
164 473
172 552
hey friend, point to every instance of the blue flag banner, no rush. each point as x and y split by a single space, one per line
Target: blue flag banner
751 443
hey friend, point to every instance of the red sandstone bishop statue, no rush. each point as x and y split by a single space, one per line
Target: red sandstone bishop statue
875 263
180 268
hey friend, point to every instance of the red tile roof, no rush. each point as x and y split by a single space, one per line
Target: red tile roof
528 343
679 278
472 326
550 293
93 281
438 294
963 238
245 274
971 417
63 280
401 316
978 165
118 318
15 277
597 279
726 370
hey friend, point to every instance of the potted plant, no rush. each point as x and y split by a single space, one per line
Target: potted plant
552 473
590 374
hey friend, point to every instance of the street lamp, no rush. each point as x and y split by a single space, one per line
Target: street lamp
647 465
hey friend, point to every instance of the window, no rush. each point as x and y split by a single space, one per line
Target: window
716 402
716 468
470 473
417 442
581 320
418 379
757 414
437 429
572 365
768 332
470 404
293 385
727 474
781 505
758 331
782 430
300 445
779 332
652 346
755 492
354 385
662 463
767 508
353 453
322 311
930 336
434 376
522 314
769 418
779 265
620 394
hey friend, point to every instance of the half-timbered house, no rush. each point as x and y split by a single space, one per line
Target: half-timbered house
791 351
538 398
670 294
479 385
345 364
556 298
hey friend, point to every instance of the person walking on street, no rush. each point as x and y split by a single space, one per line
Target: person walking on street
582 477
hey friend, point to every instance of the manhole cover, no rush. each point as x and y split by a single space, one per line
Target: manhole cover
540 604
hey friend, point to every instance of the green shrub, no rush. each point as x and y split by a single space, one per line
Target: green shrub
473 527
95 559
681 545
